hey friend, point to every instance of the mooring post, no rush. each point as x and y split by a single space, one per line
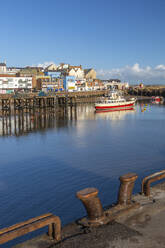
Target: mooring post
126 187
92 204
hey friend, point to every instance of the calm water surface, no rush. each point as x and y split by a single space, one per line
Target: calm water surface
42 169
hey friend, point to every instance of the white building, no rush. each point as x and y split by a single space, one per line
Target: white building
3 68
78 73
12 70
116 84
80 85
8 70
11 83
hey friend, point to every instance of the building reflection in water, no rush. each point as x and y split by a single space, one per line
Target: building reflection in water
40 120
22 123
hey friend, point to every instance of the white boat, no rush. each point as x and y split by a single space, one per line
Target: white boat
115 101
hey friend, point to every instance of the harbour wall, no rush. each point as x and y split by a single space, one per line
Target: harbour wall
147 91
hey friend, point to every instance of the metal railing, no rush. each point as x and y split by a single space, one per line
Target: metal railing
20 229
146 183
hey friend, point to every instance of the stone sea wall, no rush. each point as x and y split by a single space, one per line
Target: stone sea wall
147 91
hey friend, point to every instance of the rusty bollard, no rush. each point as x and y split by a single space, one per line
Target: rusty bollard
92 204
126 187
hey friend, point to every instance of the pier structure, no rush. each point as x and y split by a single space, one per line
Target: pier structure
28 102
10 104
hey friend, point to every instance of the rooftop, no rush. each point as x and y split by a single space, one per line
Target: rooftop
2 64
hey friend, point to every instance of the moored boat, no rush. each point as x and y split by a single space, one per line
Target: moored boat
115 101
157 99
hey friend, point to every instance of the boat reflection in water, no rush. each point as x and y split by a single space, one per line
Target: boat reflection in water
157 100
117 114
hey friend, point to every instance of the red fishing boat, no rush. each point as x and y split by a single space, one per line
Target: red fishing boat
115 101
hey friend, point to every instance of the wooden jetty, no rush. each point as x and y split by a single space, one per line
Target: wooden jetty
29 102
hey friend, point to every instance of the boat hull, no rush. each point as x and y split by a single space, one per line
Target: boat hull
113 106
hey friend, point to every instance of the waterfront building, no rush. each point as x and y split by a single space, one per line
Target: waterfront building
77 72
36 81
10 84
88 85
115 83
90 73
71 70
13 70
8 70
98 84
69 83
55 84
95 84
3 68
64 76
40 81
30 71
48 83
80 85
53 74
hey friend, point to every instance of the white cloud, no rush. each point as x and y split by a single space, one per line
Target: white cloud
160 67
135 73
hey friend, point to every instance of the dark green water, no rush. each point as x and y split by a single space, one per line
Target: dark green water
43 166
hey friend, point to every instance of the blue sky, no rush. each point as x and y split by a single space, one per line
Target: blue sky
104 34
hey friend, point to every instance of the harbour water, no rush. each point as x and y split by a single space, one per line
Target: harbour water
45 161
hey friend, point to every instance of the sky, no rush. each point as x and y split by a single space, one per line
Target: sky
118 38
